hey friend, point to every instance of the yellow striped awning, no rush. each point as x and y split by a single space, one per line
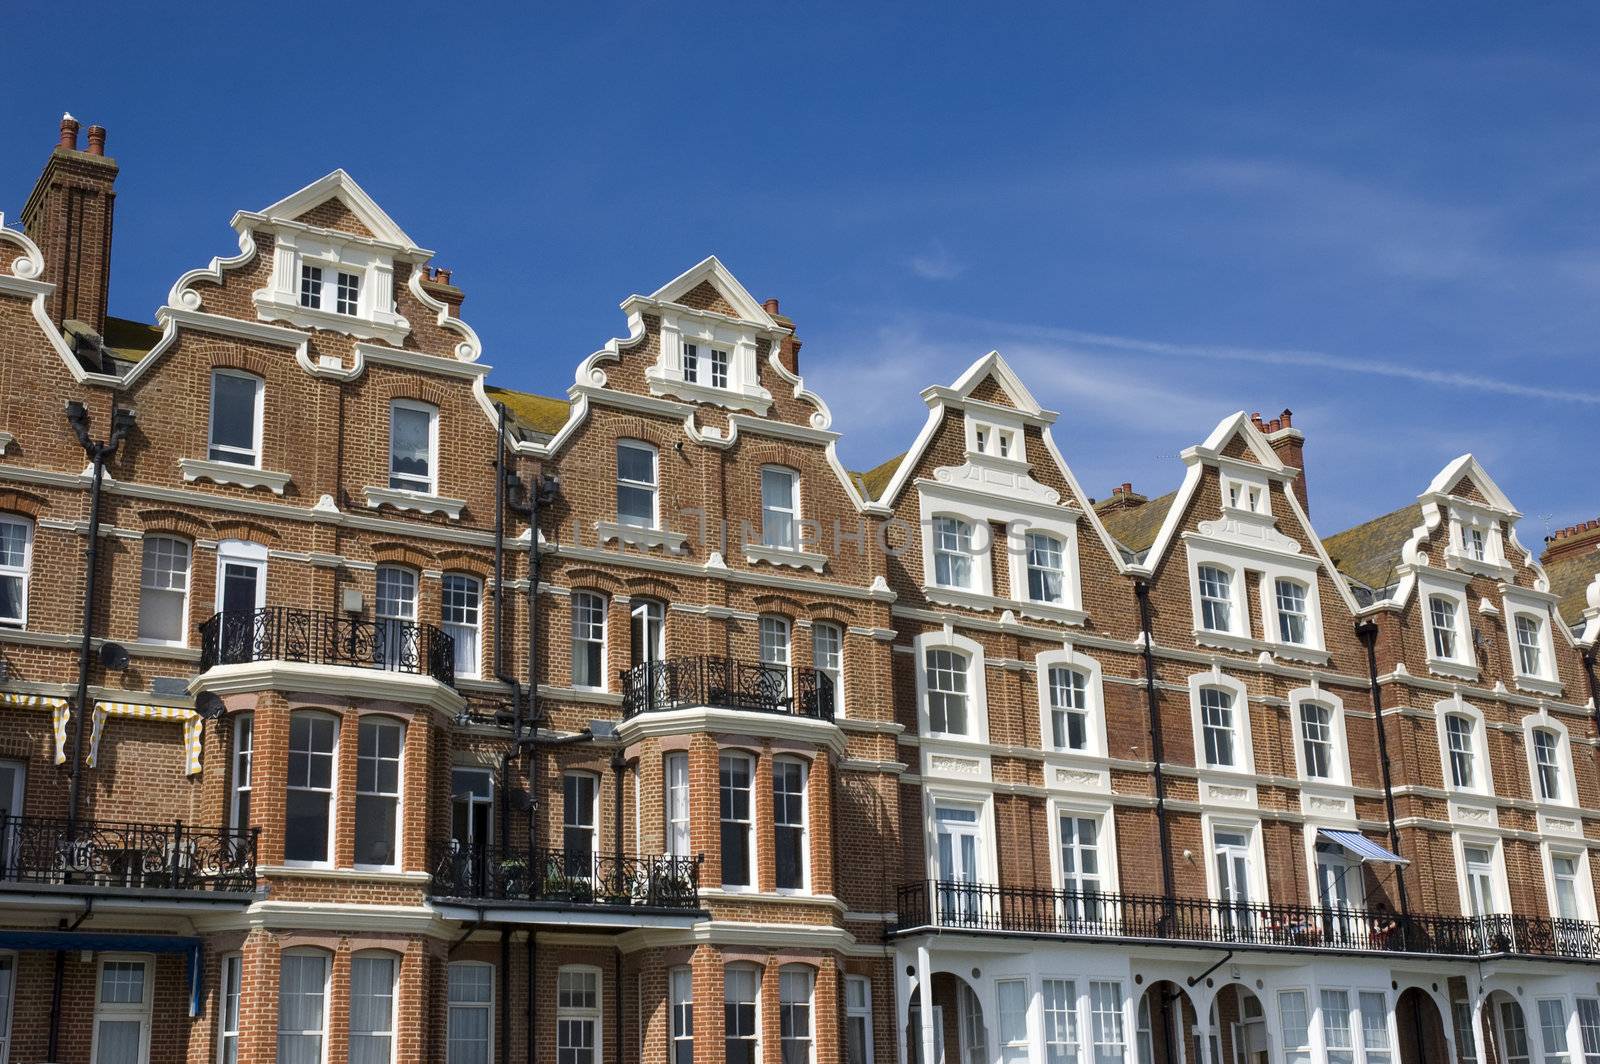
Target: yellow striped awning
59 711
192 727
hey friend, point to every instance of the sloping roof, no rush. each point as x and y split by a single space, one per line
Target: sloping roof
1369 552
874 480
1136 527
537 413
129 340
1570 577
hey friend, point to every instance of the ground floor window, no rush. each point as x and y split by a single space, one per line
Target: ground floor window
858 1020
228 1036
470 1018
681 984
122 1012
302 1007
794 1014
372 1008
577 1016
740 989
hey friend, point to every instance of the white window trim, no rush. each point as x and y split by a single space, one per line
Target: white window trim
1105 841
1094 695
673 1002
655 486
598 1013
26 569
763 621
1482 770
367 258
706 330
240 723
935 796
244 553
1576 849
796 508
759 972
1272 626
864 1013
594 809
1243 748
1340 762
327 993
1245 481
1236 601
839 678
432 413
1497 868
490 1006
381 720
752 836
1467 514
1464 666
1519 602
805 823
977 689
116 1011
1543 721
605 636
188 588
256 429
475 628
328 291
812 1033
979 562
233 960
667 819
395 960
333 793
1017 530
1251 829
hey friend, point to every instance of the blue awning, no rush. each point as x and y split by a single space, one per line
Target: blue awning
104 942
1361 847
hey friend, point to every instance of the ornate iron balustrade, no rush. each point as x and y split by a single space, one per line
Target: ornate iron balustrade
567 877
727 683
138 857
1076 914
284 633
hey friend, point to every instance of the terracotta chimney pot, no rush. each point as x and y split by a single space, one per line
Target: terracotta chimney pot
69 132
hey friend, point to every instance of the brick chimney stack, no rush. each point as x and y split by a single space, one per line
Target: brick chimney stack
437 282
68 215
1289 443
1123 497
1574 539
789 348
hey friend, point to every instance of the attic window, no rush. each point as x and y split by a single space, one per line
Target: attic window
715 366
1472 544
1005 444
346 292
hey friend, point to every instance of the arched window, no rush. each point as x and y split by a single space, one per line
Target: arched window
16 563
380 747
164 591
372 983
461 612
741 994
308 817
303 1006
795 983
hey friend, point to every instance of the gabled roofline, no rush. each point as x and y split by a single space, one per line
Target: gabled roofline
711 269
340 184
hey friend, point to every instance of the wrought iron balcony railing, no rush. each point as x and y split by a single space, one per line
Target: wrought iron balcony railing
284 633
727 683
1075 914
561 877
136 857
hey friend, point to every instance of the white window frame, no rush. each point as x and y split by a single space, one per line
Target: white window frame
937 796
411 482
834 672
250 459
1072 1016
1555 1039
1105 842
1458 554
327 995
242 781
775 639
1013 1049
393 960
22 572
861 1012
754 972
591 808
680 1005
1063 552
1339 754
1246 493
583 607
121 1012
573 1013
1300 1051
245 555
946 541
1233 602
1094 701
332 790
1243 751
469 661
1463 664
1566 781
676 814
753 862
146 574
228 1007
1210 824
809 975
1498 885
783 531
1583 881
1523 604
977 689
1482 770
1101 1047
487 1006
782 761
1279 615
398 796
653 486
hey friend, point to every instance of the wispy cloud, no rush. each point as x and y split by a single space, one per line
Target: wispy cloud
1373 367
936 263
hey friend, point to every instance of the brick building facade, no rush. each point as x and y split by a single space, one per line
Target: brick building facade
355 709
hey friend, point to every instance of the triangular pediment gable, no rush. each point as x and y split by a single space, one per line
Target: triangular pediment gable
335 202
1467 473
991 378
690 289
1237 437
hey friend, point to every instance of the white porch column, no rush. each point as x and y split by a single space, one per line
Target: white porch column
1479 1000
925 1005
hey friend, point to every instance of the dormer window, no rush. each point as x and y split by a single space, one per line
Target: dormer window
994 437
343 296
711 370
1472 543
1004 439
1244 495
1216 598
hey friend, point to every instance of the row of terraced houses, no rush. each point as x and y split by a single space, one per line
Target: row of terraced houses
353 708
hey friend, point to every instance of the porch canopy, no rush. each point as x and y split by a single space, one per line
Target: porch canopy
1360 847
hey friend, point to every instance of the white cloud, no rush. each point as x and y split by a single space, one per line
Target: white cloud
936 264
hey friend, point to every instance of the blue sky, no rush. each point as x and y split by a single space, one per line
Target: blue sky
1384 216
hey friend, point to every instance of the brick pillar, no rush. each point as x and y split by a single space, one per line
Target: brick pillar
270 766
258 997
414 791
709 1026
827 1012
412 1015
344 794
819 826
766 876
338 1021
705 826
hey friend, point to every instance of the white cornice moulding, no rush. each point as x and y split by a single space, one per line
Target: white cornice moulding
639 536
414 501
656 723
270 308
241 476
338 681
780 556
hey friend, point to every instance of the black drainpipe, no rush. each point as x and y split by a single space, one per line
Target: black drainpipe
1141 588
1367 631
619 766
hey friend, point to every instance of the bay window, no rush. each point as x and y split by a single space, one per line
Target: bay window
857 1020
379 742
794 1014
302 1006
741 987
228 1022
308 818
372 980
413 446
680 987
677 776
243 769
164 591
789 822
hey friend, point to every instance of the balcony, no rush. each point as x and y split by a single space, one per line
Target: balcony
726 683
284 633
984 908
128 858
559 879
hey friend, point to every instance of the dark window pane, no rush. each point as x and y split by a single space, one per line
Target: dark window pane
735 855
375 823
306 826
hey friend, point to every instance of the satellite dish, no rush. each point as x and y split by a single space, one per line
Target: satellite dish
113 656
209 706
